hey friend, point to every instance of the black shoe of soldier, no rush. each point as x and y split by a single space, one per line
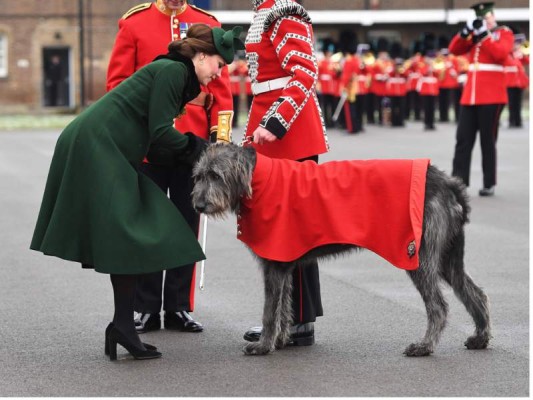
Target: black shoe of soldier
146 322
301 334
181 321
485 192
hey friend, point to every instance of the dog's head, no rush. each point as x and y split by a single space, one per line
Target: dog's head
222 176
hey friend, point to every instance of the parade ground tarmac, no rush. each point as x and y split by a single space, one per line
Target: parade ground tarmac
53 313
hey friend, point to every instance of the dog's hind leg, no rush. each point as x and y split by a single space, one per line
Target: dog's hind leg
473 298
275 281
426 280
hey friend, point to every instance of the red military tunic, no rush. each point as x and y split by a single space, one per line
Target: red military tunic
327 77
448 77
515 74
485 82
144 33
428 84
295 208
413 71
396 85
380 73
351 70
279 44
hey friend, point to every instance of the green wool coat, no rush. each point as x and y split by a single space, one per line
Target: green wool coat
97 208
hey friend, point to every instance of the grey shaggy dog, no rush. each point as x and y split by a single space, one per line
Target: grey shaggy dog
223 176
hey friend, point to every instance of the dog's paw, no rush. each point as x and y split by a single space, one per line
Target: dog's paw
418 350
256 349
477 342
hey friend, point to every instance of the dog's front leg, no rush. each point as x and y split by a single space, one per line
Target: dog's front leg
275 278
286 320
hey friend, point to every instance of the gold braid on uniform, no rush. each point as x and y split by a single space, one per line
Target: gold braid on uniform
283 8
203 11
136 9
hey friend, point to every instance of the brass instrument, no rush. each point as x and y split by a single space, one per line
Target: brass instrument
407 64
439 65
524 48
352 88
369 59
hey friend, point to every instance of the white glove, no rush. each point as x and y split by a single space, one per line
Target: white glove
470 24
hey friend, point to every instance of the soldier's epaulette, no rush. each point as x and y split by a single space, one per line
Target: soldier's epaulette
204 12
502 27
136 9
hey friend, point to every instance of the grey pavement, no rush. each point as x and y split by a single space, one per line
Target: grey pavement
53 313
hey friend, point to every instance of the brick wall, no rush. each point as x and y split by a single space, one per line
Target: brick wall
31 26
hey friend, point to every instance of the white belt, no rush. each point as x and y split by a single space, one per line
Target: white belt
485 67
267 86
512 68
396 80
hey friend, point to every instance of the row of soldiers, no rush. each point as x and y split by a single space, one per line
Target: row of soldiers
357 84
380 87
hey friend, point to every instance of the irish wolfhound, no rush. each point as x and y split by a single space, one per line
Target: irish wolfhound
223 182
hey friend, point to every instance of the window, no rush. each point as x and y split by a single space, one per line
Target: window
3 55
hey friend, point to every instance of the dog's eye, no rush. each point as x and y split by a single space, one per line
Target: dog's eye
214 176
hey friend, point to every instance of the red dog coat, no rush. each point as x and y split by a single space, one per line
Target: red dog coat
375 204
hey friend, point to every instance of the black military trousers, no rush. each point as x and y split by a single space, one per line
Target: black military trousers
413 103
306 298
444 104
485 119
515 106
328 105
428 103
177 291
370 108
236 110
354 114
397 104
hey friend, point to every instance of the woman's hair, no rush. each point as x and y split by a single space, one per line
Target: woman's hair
199 40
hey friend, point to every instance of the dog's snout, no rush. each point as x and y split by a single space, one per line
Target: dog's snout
199 207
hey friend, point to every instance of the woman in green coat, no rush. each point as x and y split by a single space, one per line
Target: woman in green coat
98 209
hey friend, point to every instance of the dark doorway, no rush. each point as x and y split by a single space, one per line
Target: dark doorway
56 77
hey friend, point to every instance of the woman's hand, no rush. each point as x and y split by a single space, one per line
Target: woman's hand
262 135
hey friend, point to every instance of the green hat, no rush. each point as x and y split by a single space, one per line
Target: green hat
227 42
482 8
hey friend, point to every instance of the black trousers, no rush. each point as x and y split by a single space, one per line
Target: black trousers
413 104
354 114
457 93
485 119
370 108
327 104
236 110
306 298
397 110
177 291
428 103
515 106
444 104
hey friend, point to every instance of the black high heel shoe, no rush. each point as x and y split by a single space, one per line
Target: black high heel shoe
106 347
116 337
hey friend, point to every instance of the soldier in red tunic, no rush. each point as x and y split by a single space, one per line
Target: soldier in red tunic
285 121
484 95
326 89
516 80
145 32
354 105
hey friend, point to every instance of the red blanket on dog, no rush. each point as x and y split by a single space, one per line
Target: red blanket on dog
375 204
